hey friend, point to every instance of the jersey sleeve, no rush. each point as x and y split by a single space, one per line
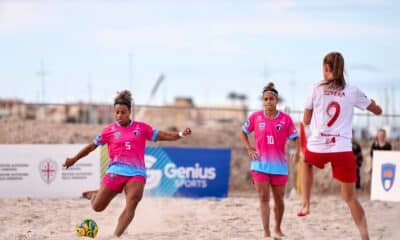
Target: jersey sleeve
310 99
291 130
248 125
103 137
150 133
361 100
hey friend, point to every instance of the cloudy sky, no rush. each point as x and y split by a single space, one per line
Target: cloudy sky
206 49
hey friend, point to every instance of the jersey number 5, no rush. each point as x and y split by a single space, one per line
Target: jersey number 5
335 107
270 139
127 145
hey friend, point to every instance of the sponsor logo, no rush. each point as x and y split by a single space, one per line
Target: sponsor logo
261 125
136 132
117 134
48 170
388 174
162 173
153 175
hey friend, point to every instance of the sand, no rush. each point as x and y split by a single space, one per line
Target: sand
235 217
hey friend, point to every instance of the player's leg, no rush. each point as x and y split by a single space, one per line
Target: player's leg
262 185
344 169
100 199
110 187
278 192
348 192
133 194
306 185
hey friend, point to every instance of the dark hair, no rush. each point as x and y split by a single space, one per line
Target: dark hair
335 61
382 130
270 88
125 98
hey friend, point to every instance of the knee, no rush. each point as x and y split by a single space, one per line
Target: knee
98 208
263 197
279 203
134 198
349 197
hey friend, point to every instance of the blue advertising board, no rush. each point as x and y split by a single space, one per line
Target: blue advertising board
187 172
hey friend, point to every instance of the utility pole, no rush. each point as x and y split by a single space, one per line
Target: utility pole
42 74
130 72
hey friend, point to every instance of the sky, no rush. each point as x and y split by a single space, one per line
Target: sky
89 50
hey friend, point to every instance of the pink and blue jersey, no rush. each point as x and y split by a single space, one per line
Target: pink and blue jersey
270 137
126 147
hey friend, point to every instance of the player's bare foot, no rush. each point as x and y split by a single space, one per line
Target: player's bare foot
304 211
89 194
278 233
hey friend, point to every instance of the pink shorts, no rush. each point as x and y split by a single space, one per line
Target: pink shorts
274 179
117 182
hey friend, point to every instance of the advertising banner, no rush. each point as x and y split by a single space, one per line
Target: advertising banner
33 170
385 184
187 172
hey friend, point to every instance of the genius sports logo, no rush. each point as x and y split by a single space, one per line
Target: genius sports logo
388 174
167 178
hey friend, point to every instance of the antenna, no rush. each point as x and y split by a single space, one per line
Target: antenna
141 112
130 71
265 74
90 88
42 74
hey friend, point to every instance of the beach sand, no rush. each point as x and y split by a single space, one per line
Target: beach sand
178 218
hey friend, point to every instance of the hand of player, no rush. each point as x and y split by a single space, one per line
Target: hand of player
187 132
69 162
252 153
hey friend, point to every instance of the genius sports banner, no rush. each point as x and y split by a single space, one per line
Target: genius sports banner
187 172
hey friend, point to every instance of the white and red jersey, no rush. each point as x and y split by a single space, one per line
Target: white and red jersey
332 117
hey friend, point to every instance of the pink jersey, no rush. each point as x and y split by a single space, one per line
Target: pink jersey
270 138
332 117
126 145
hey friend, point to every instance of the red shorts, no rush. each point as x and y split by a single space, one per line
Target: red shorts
343 164
117 182
274 179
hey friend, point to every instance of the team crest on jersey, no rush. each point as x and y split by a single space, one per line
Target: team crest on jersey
136 132
388 174
261 125
117 134
278 126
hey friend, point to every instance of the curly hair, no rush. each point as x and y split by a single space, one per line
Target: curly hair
125 98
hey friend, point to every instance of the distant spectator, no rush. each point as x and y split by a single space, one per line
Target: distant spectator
359 159
380 142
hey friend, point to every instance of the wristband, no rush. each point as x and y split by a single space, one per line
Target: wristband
180 134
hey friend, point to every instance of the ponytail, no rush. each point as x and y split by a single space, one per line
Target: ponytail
335 61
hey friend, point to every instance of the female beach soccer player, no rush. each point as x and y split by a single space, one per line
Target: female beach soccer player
269 168
329 111
126 140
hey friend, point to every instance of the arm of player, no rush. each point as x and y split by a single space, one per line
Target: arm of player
374 108
307 116
172 136
296 155
82 153
250 149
